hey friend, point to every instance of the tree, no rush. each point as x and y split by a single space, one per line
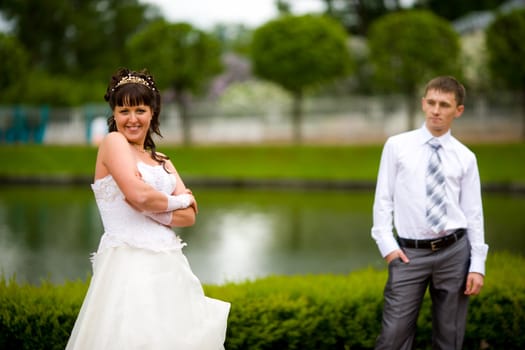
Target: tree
504 40
21 84
180 57
299 53
77 38
410 47
15 63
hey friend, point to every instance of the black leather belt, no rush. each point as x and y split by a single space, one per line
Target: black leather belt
433 244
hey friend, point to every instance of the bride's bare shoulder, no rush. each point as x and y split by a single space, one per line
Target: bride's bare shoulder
114 137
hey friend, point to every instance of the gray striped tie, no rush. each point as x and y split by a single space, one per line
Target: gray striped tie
436 196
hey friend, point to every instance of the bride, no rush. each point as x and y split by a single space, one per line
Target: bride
143 294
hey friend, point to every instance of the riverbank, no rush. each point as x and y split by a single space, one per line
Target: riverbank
502 166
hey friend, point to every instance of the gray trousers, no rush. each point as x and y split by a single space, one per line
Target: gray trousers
444 273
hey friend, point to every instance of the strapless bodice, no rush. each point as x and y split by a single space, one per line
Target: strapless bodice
124 225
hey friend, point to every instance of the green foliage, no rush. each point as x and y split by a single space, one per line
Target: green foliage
411 47
82 38
300 52
304 312
504 40
287 312
69 51
14 60
42 88
38 317
496 316
178 55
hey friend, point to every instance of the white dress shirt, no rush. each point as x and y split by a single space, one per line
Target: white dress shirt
400 199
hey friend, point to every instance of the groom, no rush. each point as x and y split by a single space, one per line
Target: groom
428 191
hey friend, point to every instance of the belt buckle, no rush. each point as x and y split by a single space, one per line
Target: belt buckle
433 244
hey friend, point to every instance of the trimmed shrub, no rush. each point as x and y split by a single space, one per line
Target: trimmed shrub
287 312
38 317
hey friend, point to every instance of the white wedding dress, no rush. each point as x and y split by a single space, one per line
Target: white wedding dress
143 294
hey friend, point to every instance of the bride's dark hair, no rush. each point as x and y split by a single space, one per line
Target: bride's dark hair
132 88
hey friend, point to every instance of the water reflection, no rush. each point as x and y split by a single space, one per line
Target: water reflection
43 232
240 234
248 234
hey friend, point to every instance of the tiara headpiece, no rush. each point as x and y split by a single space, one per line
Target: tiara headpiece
132 79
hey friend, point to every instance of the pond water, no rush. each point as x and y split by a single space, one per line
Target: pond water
47 233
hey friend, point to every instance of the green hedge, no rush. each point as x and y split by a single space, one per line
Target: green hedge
38 317
287 312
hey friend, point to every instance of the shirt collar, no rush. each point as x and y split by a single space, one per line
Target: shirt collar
444 140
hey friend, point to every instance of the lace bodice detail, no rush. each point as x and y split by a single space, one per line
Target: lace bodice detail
124 225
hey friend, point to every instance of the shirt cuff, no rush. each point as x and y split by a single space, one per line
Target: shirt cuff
477 265
387 245
478 256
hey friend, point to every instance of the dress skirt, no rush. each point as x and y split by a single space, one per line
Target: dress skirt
147 300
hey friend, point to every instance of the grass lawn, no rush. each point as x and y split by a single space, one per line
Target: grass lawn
498 163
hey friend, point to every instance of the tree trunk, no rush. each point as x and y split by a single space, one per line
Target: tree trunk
412 109
523 114
297 116
183 101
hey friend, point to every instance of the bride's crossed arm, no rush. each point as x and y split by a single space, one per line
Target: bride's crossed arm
185 216
115 157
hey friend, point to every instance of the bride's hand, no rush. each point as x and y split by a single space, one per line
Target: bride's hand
193 202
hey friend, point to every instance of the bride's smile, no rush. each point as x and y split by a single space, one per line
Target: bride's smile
133 121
